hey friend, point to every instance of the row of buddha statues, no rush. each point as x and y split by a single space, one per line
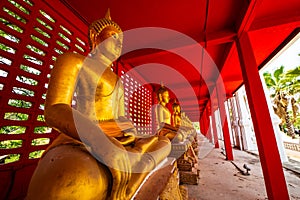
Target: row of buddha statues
176 126
98 153
179 129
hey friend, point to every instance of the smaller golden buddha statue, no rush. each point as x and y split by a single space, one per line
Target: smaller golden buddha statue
163 117
187 131
176 116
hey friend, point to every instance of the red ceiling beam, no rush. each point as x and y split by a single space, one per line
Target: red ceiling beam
215 38
243 26
249 16
191 107
291 20
221 37
192 98
179 85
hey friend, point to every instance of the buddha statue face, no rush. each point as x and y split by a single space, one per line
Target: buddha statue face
109 43
164 97
176 108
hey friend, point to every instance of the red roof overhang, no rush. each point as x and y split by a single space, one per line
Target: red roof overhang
212 24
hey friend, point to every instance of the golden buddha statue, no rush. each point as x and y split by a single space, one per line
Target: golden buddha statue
97 154
176 116
163 117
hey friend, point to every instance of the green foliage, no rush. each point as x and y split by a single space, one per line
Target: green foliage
30 69
14 15
284 84
11 158
19 103
6 48
10 144
19 7
293 76
12 129
44 24
278 74
196 126
270 82
42 42
10 25
36 154
9 37
16 116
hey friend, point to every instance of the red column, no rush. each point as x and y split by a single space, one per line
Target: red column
268 151
221 99
215 133
206 124
202 124
209 134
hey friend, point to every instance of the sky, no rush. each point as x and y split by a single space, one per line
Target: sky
287 57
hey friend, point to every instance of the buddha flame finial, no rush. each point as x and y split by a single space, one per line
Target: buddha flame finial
107 15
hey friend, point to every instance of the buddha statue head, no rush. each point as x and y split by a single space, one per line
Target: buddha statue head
163 95
176 107
105 37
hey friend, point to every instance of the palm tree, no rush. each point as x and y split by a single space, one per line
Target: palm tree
283 86
294 88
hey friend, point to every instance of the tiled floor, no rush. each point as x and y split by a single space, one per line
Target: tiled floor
220 179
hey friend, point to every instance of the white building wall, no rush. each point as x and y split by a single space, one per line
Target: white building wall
245 122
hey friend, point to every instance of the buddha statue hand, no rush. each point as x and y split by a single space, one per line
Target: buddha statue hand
115 157
122 129
128 138
180 136
129 134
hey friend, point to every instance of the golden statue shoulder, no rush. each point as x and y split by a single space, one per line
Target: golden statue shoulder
70 60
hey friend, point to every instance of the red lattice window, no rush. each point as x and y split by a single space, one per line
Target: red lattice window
138 103
32 36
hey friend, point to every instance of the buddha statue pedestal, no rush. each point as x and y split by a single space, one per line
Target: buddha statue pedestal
187 160
195 145
162 183
185 164
189 177
188 169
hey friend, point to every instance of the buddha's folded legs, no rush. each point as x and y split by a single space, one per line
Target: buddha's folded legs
69 172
